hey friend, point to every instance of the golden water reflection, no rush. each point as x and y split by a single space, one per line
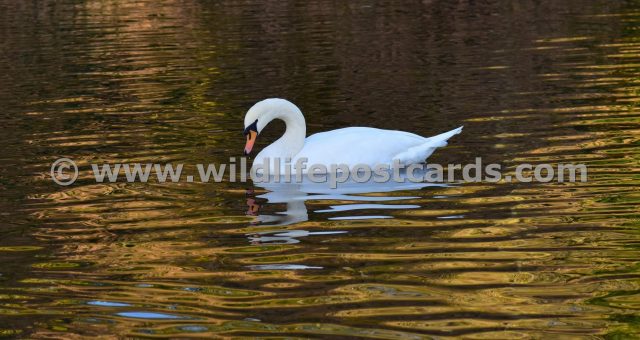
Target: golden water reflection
168 81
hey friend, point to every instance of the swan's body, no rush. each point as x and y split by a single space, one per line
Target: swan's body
350 146
362 145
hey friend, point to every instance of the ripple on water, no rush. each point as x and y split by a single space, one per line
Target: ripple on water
168 81
151 315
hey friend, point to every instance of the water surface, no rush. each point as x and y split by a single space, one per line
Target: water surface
170 81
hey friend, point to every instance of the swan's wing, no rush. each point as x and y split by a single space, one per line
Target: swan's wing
357 145
370 146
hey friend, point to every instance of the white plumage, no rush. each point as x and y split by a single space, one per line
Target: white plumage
349 146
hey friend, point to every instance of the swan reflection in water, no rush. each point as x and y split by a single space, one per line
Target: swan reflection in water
294 195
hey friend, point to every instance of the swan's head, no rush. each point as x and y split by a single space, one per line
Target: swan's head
262 113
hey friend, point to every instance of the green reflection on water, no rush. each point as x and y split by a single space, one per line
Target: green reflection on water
169 81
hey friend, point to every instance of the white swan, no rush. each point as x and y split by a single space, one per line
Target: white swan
350 146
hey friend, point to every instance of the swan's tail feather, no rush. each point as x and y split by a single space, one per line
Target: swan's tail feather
420 153
446 135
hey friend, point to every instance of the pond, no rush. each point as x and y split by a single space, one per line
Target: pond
169 81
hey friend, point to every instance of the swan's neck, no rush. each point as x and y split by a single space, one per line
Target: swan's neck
294 135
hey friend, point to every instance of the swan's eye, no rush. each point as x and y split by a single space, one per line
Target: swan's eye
252 127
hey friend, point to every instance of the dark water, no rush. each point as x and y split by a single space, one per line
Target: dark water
170 81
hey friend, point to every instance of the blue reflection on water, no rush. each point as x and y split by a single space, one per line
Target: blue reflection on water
281 267
108 304
149 315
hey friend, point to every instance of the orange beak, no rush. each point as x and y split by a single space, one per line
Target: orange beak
251 139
